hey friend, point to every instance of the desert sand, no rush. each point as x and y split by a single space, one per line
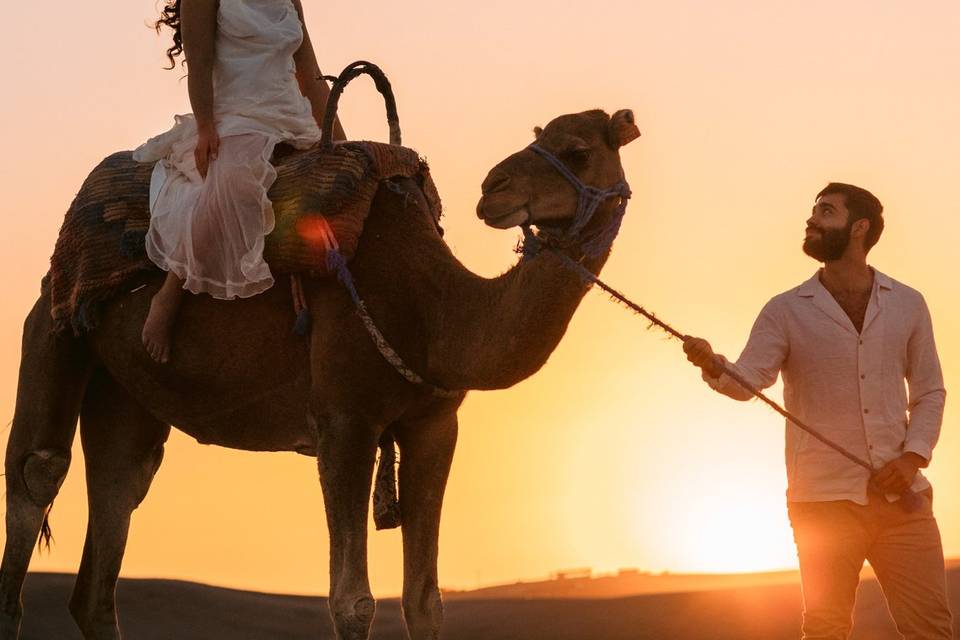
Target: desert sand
165 609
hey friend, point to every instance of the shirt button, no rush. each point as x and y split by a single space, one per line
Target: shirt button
866 410
861 342
863 376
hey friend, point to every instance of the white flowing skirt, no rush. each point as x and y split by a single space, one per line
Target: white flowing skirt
210 232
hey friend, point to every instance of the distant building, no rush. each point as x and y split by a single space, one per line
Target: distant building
572 574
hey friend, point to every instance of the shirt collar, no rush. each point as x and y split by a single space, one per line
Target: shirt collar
883 281
809 288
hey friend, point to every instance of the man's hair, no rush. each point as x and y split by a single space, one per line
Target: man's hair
862 205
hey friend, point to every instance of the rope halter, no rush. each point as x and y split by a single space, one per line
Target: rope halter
589 200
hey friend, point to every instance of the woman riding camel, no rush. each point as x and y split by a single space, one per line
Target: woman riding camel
253 82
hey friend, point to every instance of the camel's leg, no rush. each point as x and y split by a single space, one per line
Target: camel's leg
347 451
53 373
122 449
426 452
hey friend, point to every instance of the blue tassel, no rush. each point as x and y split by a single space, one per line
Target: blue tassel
337 264
335 261
302 325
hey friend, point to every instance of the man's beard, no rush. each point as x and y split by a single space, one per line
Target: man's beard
830 246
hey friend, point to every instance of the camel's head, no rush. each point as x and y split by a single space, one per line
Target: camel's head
527 189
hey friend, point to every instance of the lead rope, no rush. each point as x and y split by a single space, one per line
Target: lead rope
911 499
589 200
337 264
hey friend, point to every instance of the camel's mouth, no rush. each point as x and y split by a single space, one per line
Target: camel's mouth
503 210
507 220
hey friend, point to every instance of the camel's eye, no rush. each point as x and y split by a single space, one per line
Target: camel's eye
577 155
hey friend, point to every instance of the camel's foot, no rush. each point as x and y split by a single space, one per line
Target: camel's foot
95 617
353 618
423 613
101 633
102 627
10 624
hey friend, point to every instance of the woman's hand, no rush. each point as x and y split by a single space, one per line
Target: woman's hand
208 145
198 22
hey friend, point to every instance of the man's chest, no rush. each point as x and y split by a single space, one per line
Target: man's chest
852 341
854 304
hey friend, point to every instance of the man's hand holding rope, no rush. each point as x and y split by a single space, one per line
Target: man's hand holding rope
895 477
701 354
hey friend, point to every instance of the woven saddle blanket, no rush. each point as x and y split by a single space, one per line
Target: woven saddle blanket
101 251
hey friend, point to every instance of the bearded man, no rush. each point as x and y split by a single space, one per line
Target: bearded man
845 342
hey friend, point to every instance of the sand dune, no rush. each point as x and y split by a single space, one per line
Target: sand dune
165 609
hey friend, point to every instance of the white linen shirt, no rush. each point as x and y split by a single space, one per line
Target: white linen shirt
847 385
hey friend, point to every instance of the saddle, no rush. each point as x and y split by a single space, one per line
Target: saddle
321 199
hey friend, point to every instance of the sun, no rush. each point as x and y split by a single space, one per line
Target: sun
735 538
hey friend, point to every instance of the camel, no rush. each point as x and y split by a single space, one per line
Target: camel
240 378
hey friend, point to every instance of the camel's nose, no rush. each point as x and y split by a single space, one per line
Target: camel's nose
496 181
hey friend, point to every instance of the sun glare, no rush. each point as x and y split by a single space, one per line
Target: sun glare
719 537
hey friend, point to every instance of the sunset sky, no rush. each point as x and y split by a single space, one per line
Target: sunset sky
615 454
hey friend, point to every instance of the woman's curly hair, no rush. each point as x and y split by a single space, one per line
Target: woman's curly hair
170 17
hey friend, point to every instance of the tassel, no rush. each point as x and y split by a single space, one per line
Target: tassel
302 325
386 504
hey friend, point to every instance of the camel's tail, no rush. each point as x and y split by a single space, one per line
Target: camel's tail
46 532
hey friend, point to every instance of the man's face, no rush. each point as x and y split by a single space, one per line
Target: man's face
828 229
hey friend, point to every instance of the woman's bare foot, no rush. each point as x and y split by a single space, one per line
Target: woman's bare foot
159 324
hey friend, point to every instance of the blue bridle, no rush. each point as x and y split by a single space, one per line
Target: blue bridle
589 200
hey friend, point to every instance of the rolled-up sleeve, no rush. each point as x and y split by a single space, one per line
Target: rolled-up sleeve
927 395
762 357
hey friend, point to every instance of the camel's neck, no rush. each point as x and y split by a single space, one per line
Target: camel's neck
458 330
493 333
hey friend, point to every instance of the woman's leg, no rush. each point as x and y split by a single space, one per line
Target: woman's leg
215 245
159 324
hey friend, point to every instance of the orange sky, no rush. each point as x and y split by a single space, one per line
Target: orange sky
615 454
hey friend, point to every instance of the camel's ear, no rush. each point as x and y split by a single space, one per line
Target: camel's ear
537 131
623 129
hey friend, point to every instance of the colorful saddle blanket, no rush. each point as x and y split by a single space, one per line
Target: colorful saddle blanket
320 199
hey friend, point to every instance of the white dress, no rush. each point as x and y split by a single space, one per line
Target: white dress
211 232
